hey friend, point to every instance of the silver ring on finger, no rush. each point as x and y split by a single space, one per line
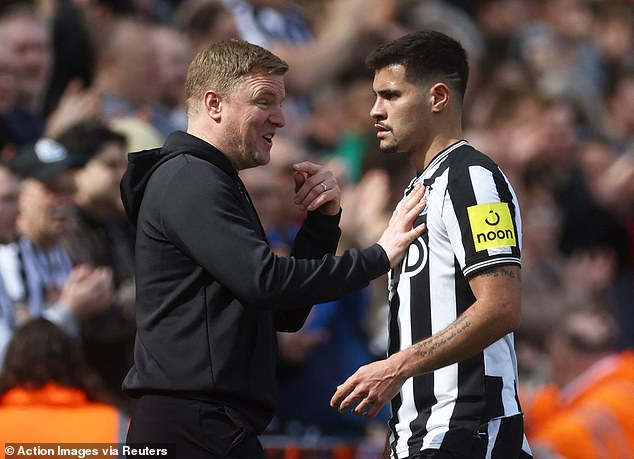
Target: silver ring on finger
324 186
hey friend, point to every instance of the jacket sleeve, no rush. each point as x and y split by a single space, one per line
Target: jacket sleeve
203 215
318 236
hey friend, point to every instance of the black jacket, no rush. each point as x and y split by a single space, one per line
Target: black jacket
210 292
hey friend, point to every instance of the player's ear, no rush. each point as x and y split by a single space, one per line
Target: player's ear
439 95
213 104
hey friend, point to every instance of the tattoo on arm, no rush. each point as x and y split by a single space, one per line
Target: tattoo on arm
434 343
501 271
434 346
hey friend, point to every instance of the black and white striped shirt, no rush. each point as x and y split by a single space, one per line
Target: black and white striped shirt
473 223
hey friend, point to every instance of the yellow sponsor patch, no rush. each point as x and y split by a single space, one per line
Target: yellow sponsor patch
491 225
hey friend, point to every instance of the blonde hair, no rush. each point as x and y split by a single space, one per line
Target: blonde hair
221 65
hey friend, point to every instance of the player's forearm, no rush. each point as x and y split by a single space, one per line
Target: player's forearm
477 328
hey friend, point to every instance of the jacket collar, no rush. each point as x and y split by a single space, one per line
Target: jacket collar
142 164
187 143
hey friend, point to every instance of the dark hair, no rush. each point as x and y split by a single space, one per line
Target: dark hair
426 55
87 137
40 353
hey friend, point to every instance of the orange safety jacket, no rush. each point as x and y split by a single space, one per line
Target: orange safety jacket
56 414
592 418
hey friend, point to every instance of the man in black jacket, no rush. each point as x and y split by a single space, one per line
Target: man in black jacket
210 292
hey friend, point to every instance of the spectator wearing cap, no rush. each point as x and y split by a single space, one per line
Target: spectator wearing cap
38 275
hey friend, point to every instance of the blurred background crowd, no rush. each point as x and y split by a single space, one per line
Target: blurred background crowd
550 99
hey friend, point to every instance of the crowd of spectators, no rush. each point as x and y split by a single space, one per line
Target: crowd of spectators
551 100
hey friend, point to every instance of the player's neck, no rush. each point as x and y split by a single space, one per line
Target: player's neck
437 145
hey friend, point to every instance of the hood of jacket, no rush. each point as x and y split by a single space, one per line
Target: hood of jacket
142 164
